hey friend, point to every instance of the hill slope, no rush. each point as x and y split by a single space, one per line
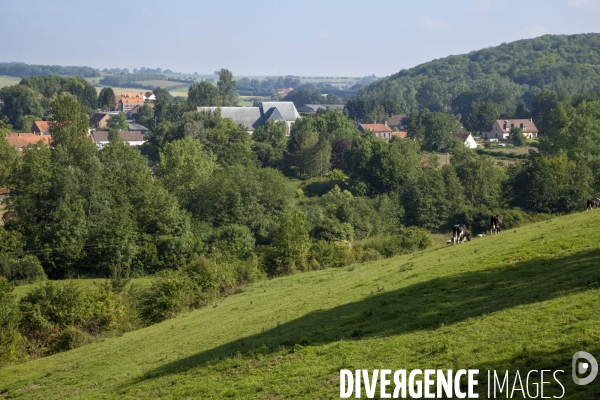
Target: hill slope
505 74
526 299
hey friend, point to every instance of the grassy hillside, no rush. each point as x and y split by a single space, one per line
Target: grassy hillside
526 299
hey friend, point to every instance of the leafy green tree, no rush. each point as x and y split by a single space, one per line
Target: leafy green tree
481 114
162 94
226 86
11 341
517 136
145 116
270 143
549 184
292 242
184 167
243 196
437 129
424 200
481 179
203 94
9 156
19 101
118 122
301 148
107 99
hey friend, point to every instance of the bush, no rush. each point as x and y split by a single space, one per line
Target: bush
11 341
406 241
324 254
170 293
51 312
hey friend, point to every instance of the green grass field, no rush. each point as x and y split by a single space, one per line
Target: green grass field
8 81
525 299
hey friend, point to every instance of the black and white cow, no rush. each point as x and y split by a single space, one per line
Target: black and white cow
496 223
593 203
460 233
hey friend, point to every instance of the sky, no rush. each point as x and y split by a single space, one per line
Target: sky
305 38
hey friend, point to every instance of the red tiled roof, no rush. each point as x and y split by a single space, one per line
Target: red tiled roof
377 128
41 126
400 134
20 140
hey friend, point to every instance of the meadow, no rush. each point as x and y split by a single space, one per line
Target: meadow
522 300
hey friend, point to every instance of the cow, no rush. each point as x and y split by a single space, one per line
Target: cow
593 203
496 223
460 233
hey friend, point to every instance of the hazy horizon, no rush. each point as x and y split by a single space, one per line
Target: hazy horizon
355 38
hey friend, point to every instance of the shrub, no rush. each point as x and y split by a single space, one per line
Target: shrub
170 293
406 241
11 341
324 254
51 312
26 269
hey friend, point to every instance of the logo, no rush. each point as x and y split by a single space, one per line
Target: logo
590 365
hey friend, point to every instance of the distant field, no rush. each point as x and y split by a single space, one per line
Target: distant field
159 83
8 80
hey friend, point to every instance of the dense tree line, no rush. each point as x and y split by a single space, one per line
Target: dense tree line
31 99
23 70
503 81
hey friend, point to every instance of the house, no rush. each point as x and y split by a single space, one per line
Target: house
284 91
134 110
397 121
466 138
254 117
134 138
127 101
40 128
21 140
501 128
149 96
400 134
379 130
312 108
487 130
99 120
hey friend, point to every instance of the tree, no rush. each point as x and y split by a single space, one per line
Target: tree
106 99
144 116
183 168
203 94
437 129
226 86
9 156
480 115
20 101
516 135
292 242
118 122
162 94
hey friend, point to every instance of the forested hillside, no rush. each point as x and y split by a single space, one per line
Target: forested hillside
510 78
23 70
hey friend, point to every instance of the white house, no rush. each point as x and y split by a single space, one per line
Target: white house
134 138
501 128
466 138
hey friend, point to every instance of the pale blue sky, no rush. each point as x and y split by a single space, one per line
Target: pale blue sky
309 37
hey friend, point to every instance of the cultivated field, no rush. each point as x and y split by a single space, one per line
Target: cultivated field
526 299
8 81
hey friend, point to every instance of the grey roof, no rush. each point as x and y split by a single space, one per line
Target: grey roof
315 107
127 136
274 114
250 117
286 108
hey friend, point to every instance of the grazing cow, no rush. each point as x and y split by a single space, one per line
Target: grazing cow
593 203
496 223
460 233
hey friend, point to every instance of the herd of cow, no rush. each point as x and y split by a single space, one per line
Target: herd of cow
460 233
